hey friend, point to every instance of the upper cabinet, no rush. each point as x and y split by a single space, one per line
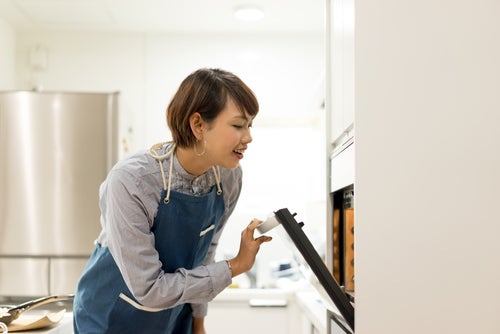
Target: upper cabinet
340 63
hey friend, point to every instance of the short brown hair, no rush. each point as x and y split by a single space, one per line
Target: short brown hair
206 91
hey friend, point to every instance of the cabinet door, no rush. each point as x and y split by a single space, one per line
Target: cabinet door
16 277
64 275
239 317
341 67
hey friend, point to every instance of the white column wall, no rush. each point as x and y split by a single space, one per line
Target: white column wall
427 166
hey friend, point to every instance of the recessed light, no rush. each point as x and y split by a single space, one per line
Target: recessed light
249 13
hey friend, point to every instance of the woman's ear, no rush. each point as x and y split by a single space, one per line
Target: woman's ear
197 125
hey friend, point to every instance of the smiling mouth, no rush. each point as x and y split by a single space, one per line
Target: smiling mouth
239 153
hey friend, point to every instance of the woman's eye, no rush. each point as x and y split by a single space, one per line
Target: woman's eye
238 126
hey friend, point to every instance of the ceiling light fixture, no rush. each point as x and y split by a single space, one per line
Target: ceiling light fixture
249 13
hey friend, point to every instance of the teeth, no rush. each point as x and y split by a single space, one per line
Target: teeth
239 151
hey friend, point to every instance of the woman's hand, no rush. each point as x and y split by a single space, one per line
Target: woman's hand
249 246
199 326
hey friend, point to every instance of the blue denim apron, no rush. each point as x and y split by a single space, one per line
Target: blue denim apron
183 228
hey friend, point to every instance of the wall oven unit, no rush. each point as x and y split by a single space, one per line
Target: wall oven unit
340 257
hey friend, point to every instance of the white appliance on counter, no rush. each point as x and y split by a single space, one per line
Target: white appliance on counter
55 150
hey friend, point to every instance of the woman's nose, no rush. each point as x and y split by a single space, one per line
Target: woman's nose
247 137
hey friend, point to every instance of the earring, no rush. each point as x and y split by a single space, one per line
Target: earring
204 148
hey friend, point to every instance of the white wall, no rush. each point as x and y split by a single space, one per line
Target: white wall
284 167
88 62
7 60
284 70
427 166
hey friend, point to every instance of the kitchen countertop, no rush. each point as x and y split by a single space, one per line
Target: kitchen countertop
65 326
309 301
60 311
238 294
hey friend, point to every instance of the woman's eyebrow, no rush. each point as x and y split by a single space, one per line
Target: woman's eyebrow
243 117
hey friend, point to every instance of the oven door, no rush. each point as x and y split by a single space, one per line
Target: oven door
339 298
336 324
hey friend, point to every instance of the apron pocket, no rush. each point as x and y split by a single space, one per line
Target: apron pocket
128 316
208 229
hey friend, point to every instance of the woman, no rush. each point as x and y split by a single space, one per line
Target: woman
162 213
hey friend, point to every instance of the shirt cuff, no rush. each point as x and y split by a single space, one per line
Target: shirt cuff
221 276
199 310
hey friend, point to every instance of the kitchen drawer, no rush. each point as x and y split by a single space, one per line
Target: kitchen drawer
64 275
342 168
250 311
16 277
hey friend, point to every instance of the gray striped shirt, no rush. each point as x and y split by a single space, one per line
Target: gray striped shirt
129 200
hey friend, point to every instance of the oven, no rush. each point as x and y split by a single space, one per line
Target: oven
340 258
341 227
343 238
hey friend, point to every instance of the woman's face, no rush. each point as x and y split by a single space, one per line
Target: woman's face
227 136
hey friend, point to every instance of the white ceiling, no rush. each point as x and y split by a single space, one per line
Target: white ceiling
163 15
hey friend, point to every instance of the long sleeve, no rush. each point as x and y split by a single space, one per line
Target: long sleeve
129 198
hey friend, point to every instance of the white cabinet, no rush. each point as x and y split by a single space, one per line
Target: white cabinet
313 312
250 311
308 327
342 167
340 63
241 318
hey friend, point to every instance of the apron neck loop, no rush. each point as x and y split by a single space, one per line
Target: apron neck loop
160 158
216 170
170 152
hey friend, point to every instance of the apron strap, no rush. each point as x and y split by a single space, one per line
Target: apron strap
217 179
170 152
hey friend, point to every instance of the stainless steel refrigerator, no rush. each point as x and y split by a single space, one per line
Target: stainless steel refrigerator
55 150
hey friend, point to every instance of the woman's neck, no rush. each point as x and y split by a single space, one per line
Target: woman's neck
191 163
